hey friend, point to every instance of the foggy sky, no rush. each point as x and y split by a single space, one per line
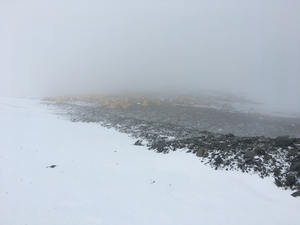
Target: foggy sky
49 48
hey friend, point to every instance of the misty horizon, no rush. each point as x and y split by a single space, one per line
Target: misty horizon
53 48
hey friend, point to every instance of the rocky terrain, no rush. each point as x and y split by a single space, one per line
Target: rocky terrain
223 138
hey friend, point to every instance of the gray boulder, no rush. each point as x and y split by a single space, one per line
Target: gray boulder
290 179
200 152
284 141
249 154
295 166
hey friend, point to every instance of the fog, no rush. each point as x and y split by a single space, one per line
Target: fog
50 48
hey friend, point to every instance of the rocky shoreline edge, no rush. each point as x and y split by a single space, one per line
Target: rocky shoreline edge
267 157
278 158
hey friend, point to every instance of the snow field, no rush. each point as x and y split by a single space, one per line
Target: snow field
102 178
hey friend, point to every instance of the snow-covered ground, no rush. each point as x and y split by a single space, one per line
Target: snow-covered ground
102 178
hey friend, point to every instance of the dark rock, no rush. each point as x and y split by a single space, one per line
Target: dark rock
237 155
284 141
206 153
257 168
195 151
295 166
277 172
267 157
52 166
248 160
296 194
247 141
211 137
200 152
257 162
234 144
219 160
260 152
249 154
278 182
290 179
227 162
292 153
229 135
159 146
138 142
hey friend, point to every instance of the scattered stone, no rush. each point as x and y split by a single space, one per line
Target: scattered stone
296 194
159 146
200 152
278 182
218 160
138 142
52 166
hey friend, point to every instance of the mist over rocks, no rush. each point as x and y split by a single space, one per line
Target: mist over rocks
220 136
211 112
110 46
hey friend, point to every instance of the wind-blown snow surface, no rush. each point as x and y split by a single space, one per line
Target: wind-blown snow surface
102 178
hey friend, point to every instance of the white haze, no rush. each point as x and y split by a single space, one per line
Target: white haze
50 48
